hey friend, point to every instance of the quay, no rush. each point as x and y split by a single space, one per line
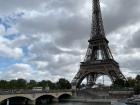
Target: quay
104 101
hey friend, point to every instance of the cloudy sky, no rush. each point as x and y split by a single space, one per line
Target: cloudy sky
46 39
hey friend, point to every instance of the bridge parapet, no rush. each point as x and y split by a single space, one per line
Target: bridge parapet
34 95
29 91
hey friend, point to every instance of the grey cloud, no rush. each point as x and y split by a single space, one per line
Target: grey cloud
59 25
65 30
69 28
63 61
73 29
134 42
24 41
131 63
66 5
37 25
127 13
40 48
12 6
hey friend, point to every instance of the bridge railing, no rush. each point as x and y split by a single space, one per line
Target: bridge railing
29 91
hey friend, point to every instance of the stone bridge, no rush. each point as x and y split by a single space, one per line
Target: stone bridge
34 96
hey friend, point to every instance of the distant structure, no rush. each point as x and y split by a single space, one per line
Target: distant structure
98 60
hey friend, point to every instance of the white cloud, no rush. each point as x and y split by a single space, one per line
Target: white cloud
55 35
41 65
25 71
16 71
2 30
10 52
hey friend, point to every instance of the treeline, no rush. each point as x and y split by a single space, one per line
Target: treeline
131 83
24 84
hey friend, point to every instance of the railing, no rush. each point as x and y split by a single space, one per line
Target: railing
100 61
29 91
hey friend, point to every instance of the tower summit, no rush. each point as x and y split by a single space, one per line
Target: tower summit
98 60
97 28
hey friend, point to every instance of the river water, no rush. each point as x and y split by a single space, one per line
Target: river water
76 103
79 103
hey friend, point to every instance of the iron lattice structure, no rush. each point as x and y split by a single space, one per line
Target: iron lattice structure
98 60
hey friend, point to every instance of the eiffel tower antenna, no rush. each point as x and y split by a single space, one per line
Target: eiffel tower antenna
98 60
97 27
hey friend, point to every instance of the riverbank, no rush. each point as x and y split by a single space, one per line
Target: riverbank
85 100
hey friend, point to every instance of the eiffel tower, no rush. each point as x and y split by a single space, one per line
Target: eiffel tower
98 60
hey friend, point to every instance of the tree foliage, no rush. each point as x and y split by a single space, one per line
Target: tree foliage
63 84
23 84
131 83
119 83
137 89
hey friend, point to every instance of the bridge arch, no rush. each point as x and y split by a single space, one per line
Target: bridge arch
43 99
42 95
32 97
12 97
64 96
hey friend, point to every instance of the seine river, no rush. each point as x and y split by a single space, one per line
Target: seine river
78 103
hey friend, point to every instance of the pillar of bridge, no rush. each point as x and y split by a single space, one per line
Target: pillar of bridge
74 92
7 103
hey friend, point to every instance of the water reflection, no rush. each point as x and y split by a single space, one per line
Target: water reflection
76 103
79 103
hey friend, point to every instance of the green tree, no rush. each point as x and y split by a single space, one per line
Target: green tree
3 84
51 85
21 84
31 84
137 89
47 83
63 84
43 84
131 82
13 84
119 83
137 79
